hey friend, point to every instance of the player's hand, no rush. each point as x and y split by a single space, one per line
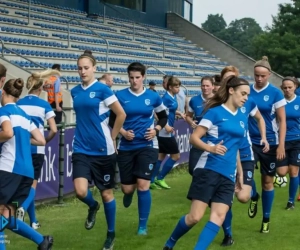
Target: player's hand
239 183
219 149
129 135
194 124
266 145
280 153
169 129
58 109
183 116
115 145
150 134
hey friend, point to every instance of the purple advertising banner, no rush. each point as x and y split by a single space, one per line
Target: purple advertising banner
48 183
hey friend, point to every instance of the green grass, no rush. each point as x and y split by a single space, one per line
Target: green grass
66 224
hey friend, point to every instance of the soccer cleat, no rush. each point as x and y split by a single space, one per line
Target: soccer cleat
110 241
227 241
167 248
252 210
290 205
142 231
162 183
265 227
35 225
20 213
91 218
127 200
46 244
153 186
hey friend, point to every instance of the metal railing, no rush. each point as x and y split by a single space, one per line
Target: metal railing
95 33
35 63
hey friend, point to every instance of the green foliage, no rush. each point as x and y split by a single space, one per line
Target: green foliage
214 24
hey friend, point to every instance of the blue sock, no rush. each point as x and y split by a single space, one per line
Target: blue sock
23 229
181 229
89 200
299 177
254 192
166 168
29 199
31 212
144 206
267 198
2 241
207 236
227 223
110 214
155 170
293 187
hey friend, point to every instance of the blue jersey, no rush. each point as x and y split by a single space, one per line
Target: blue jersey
171 104
196 106
249 109
297 91
139 109
223 125
267 100
15 153
39 110
92 133
292 110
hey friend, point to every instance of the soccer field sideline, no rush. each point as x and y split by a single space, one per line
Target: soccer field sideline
66 223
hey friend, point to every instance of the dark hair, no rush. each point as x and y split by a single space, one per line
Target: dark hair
14 87
217 80
173 81
56 66
136 66
291 78
88 54
2 70
222 94
207 78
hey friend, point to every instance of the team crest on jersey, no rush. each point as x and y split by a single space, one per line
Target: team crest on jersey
150 167
106 177
266 98
92 94
296 107
243 109
147 102
272 165
242 124
249 173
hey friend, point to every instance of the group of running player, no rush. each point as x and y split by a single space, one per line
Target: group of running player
235 127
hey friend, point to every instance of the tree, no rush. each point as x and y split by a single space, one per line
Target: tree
214 24
281 43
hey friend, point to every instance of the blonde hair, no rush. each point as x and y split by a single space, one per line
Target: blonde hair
37 79
229 69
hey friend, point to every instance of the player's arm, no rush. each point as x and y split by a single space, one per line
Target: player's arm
183 116
118 117
37 138
262 129
280 115
6 129
53 129
56 92
239 176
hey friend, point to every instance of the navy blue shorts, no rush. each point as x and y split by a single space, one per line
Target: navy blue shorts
136 164
268 161
14 188
194 157
248 171
37 161
167 145
100 169
209 186
292 154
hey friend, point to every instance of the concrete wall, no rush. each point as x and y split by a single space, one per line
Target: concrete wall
215 46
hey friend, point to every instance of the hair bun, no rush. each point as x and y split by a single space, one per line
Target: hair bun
217 78
88 52
18 83
265 58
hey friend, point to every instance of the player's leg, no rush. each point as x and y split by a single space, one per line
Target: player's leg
161 157
81 178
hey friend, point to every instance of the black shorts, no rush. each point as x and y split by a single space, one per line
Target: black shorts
58 115
194 157
268 161
100 169
248 171
292 154
168 145
14 188
136 164
209 186
37 161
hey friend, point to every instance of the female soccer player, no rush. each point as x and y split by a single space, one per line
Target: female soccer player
166 140
214 176
94 150
39 110
270 103
195 113
291 163
137 149
16 171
